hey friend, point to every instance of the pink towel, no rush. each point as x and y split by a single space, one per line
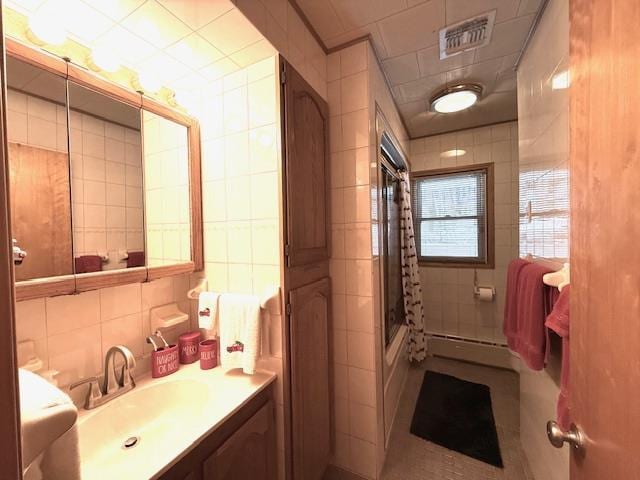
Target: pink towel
88 263
558 321
532 308
510 325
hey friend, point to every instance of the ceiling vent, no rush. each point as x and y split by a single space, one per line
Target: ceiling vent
466 35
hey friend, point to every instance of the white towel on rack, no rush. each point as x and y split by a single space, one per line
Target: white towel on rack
208 311
240 323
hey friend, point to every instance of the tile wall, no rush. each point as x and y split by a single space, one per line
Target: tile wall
450 307
543 111
351 261
72 333
167 199
355 86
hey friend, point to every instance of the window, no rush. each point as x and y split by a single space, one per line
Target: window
453 215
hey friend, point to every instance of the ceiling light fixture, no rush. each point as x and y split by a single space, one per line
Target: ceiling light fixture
103 58
47 26
453 153
456 98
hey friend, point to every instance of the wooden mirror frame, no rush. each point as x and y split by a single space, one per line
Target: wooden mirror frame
76 283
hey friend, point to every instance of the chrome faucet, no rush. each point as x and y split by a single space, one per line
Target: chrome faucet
112 385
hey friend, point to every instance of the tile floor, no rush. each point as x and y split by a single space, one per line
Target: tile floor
412 458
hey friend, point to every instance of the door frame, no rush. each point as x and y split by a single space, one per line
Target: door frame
10 453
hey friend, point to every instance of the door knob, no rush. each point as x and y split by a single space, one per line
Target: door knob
558 437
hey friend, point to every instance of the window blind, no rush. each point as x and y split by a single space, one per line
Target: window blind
450 216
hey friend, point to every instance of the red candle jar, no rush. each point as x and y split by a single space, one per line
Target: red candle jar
208 354
164 361
188 347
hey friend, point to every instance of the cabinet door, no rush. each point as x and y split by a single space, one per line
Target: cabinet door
311 418
307 171
250 453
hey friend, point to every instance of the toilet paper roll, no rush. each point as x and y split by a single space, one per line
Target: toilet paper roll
485 294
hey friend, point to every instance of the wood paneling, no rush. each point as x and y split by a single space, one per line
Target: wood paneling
41 211
310 405
249 453
605 228
307 171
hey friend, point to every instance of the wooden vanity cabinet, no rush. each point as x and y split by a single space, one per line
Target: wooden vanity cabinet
243 448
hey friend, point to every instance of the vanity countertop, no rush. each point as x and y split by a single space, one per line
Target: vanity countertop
168 416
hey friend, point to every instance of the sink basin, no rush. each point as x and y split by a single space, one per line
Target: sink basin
140 427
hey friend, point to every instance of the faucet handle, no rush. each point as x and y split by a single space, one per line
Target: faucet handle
93 394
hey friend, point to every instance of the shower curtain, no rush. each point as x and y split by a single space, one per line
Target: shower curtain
411 277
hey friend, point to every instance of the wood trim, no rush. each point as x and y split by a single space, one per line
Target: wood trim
10 453
195 190
94 281
350 43
490 209
309 25
153 273
83 282
48 287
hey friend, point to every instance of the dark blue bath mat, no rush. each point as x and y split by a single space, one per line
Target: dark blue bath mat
457 415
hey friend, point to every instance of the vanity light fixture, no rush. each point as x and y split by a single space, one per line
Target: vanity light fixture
46 27
456 98
103 58
147 82
453 153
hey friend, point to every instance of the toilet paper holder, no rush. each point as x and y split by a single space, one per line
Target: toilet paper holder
479 290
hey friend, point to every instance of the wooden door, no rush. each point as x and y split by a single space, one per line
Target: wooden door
605 232
306 121
309 330
41 211
250 453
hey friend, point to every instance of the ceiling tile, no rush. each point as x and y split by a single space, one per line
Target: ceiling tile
23 6
483 73
402 69
86 23
508 37
529 6
458 10
410 110
413 29
219 69
230 32
194 51
197 13
430 63
164 67
506 83
156 25
253 53
420 89
129 47
323 18
116 9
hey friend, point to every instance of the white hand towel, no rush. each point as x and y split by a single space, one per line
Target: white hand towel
240 325
208 311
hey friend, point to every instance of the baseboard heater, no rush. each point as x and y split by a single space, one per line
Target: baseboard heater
484 352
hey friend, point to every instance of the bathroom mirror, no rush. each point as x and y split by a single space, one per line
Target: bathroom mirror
38 171
106 176
105 183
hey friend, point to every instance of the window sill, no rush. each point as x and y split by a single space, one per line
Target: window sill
485 266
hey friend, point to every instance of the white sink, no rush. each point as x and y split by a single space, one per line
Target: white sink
140 427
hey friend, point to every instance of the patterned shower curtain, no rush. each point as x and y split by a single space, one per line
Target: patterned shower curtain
411 276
